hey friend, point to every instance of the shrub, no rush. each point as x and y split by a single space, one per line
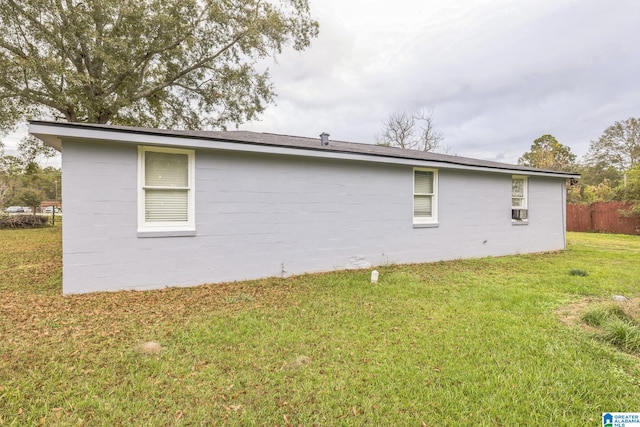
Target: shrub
23 221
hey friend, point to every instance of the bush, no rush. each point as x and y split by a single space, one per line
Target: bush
23 221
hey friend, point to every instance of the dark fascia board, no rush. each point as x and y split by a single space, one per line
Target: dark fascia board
299 143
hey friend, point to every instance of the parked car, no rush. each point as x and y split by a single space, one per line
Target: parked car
50 209
14 209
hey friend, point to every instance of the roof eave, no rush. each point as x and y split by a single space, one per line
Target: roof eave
53 133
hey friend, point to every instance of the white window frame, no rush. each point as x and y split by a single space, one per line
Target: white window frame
433 219
524 197
166 228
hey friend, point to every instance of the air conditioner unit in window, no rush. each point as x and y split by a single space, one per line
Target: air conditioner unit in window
520 214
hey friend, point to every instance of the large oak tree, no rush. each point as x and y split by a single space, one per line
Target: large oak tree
155 63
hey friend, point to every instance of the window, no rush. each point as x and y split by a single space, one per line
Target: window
519 208
166 193
425 199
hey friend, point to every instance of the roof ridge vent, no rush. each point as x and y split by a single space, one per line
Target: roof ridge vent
324 138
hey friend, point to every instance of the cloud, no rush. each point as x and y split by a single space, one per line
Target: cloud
498 73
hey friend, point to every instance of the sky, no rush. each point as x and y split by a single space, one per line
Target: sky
497 74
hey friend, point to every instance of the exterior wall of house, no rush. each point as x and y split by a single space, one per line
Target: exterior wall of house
260 215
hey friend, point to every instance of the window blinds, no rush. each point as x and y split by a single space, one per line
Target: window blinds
166 205
423 206
166 189
423 194
423 182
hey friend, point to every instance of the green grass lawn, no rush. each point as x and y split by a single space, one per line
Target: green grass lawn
475 342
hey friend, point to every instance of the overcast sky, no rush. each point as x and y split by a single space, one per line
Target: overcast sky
497 73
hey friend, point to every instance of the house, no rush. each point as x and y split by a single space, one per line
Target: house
149 208
51 204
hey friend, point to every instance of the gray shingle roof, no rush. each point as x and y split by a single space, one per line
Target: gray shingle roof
313 144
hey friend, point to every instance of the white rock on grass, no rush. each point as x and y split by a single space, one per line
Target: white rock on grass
150 347
298 363
620 298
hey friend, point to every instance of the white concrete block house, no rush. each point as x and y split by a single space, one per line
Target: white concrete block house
149 208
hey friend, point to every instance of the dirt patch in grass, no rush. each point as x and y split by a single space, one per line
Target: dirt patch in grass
571 314
611 321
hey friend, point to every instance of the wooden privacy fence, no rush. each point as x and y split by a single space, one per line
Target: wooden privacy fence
602 217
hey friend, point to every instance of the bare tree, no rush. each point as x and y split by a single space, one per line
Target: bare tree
415 131
430 138
399 131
